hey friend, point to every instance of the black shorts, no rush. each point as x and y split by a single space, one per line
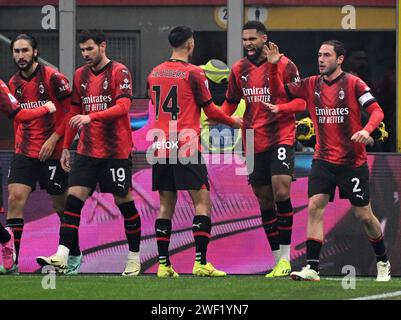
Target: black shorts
29 171
353 182
113 175
279 160
173 177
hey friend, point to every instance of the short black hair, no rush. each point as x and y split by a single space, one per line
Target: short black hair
259 26
96 35
179 35
338 47
26 36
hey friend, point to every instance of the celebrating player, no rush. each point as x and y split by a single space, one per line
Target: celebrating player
274 137
10 106
38 142
102 92
334 99
178 91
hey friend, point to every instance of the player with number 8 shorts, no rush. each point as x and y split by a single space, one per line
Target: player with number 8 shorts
274 137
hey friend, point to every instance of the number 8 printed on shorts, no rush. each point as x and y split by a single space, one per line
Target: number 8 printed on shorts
281 153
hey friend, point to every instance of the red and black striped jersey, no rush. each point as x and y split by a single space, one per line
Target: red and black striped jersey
251 82
335 109
98 91
45 84
178 91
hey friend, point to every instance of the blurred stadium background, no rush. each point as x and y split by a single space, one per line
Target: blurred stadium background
137 36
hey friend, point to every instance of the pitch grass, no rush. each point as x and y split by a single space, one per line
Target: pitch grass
149 287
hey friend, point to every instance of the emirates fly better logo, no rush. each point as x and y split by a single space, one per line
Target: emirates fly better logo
256 94
328 115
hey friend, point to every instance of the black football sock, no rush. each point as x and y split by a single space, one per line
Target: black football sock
285 217
269 220
4 235
379 248
132 224
75 250
163 234
201 229
313 247
17 226
70 222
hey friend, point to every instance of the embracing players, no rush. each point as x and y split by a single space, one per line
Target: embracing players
274 137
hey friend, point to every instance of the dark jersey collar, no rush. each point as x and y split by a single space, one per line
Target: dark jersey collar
33 74
256 64
329 83
96 73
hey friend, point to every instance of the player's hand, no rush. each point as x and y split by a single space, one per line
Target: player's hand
371 142
48 147
50 105
238 122
272 52
271 107
361 137
65 160
79 120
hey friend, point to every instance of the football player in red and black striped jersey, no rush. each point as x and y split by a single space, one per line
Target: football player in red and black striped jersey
335 99
273 143
38 142
12 109
102 94
179 91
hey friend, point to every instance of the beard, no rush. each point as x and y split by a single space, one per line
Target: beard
26 67
96 62
329 71
254 56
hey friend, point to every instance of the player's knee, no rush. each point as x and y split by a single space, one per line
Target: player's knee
365 216
16 198
281 194
315 209
264 199
203 207
366 219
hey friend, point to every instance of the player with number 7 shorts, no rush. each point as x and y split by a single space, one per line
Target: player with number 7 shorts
12 108
38 142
